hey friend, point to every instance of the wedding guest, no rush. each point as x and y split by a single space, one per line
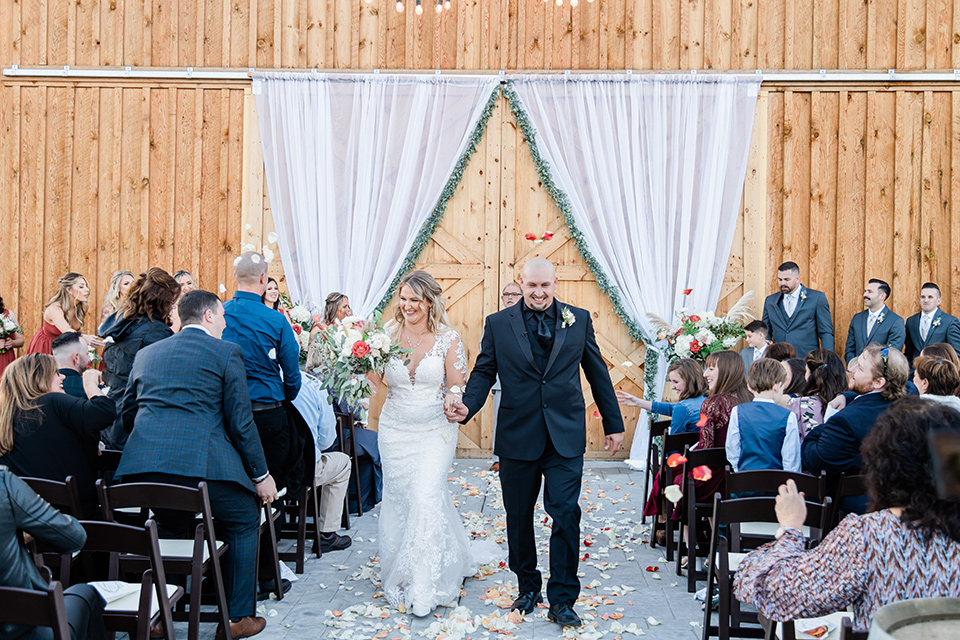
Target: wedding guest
877 323
687 381
937 379
64 312
756 337
120 283
880 378
780 351
827 378
796 371
798 315
73 358
761 434
511 295
271 298
187 283
931 325
187 411
143 319
10 341
941 350
336 307
23 512
44 433
907 547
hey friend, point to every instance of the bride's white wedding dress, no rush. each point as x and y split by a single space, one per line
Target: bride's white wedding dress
424 549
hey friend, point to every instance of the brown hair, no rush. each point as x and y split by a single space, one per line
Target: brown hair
427 289
941 374
731 378
152 296
780 351
66 301
764 374
332 306
24 381
942 350
891 365
692 375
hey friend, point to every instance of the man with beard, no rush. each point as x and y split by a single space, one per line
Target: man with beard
879 378
798 315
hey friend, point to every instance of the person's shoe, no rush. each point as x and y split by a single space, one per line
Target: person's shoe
334 542
495 467
266 587
246 627
564 615
527 601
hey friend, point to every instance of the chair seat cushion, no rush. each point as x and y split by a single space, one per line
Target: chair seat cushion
170 548
122 597
764 529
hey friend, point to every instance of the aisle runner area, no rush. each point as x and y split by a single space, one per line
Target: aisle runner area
337 596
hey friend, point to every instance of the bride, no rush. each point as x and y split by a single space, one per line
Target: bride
424 550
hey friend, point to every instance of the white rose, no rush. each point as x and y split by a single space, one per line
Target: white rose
682 345
730 341
705 336
299 313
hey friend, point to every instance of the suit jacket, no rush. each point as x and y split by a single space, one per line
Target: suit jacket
889 332
747 354
834 446
810 327
188 410
947 330
536 404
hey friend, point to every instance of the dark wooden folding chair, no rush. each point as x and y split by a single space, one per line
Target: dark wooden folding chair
671 443
65 497
268 519
813 487
108 461
299 509
657 429
847 632
148 601
848 486
692 513
196 558
36 609
345 424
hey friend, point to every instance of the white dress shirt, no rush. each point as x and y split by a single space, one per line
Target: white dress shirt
872 318
789 451
790 301
926 322
758 353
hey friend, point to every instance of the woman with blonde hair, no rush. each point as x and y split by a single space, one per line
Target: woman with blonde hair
120 283
424 549
64 312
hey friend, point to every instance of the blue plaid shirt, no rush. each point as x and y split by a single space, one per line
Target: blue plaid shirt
261 333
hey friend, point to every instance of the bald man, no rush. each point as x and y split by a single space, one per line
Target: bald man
537 348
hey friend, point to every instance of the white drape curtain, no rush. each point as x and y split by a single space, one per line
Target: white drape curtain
654 169
355 165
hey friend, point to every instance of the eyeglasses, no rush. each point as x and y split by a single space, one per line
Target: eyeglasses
885 357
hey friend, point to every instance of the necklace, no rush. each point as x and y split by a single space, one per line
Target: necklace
413 347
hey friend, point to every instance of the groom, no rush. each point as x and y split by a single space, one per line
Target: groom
537 347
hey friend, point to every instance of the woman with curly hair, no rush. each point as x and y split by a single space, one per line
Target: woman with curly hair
12 341
937 379
64 312
120 283
907 546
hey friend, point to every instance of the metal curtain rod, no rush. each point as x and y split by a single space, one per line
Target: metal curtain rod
191 73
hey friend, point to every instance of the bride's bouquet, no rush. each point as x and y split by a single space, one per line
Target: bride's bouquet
350 349
7 328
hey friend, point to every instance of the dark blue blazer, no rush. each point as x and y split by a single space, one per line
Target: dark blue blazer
889 332
948 330
834 446
539 404
810 327
188 408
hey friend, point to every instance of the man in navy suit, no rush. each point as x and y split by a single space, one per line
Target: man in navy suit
187 410
537 348
929 326
877 323
798 315
879 377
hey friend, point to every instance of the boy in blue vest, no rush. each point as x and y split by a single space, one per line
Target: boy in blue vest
763 434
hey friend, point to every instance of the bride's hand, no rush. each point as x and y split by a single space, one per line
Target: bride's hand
450 400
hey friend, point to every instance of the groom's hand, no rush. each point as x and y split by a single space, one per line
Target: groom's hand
457 412
613 442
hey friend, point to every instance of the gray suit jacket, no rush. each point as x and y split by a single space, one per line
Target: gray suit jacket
810 327
747 354
947 330
889 332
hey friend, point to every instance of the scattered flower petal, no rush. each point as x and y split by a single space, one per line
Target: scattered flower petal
221 288
703 420
548 235
530 236
653 622
255 258
675 460
596 414
702 473
687 292
653 569
268 254
673 493
272 237
272 354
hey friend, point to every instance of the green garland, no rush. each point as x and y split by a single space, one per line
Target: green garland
428 228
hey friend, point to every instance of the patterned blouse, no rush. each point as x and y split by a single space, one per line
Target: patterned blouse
867 561
809 412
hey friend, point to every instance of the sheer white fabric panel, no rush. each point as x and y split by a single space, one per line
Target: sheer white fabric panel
355 165
654 169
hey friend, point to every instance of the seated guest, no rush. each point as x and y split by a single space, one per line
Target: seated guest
22 510
73 358
796 372
686 379
143 319
780 351
827 378
879 377
187 410
942 350
937 379
756 338
761 434
907 547
44 433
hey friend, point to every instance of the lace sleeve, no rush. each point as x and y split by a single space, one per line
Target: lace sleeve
455 361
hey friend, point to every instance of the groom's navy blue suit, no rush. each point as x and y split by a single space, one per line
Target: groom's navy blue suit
541 429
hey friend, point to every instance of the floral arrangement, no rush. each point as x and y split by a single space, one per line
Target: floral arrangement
95 357
349 349
7 328
697 335
303 322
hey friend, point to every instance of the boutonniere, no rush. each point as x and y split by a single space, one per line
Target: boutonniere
803 294
568 318
936 323
881 317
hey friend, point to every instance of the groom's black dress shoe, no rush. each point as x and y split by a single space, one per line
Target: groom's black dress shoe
527 602
564 615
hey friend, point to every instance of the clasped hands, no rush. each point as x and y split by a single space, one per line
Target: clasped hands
454 408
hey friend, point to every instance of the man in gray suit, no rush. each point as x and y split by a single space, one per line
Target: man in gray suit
877 323
931 325
798 315
756 338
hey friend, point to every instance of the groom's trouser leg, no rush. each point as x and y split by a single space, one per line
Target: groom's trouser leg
520 480
561 499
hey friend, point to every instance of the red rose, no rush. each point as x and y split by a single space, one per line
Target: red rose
694 318
695 346
360 348
297 329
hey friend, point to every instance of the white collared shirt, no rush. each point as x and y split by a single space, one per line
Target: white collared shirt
790 300
872 318
758 353
927 319
197 326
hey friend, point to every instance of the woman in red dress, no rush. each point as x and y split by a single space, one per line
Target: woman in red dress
12 341
64 312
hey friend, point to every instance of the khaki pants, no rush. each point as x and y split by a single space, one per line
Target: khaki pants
332 475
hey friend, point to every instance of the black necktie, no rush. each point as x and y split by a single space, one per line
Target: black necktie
544 336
